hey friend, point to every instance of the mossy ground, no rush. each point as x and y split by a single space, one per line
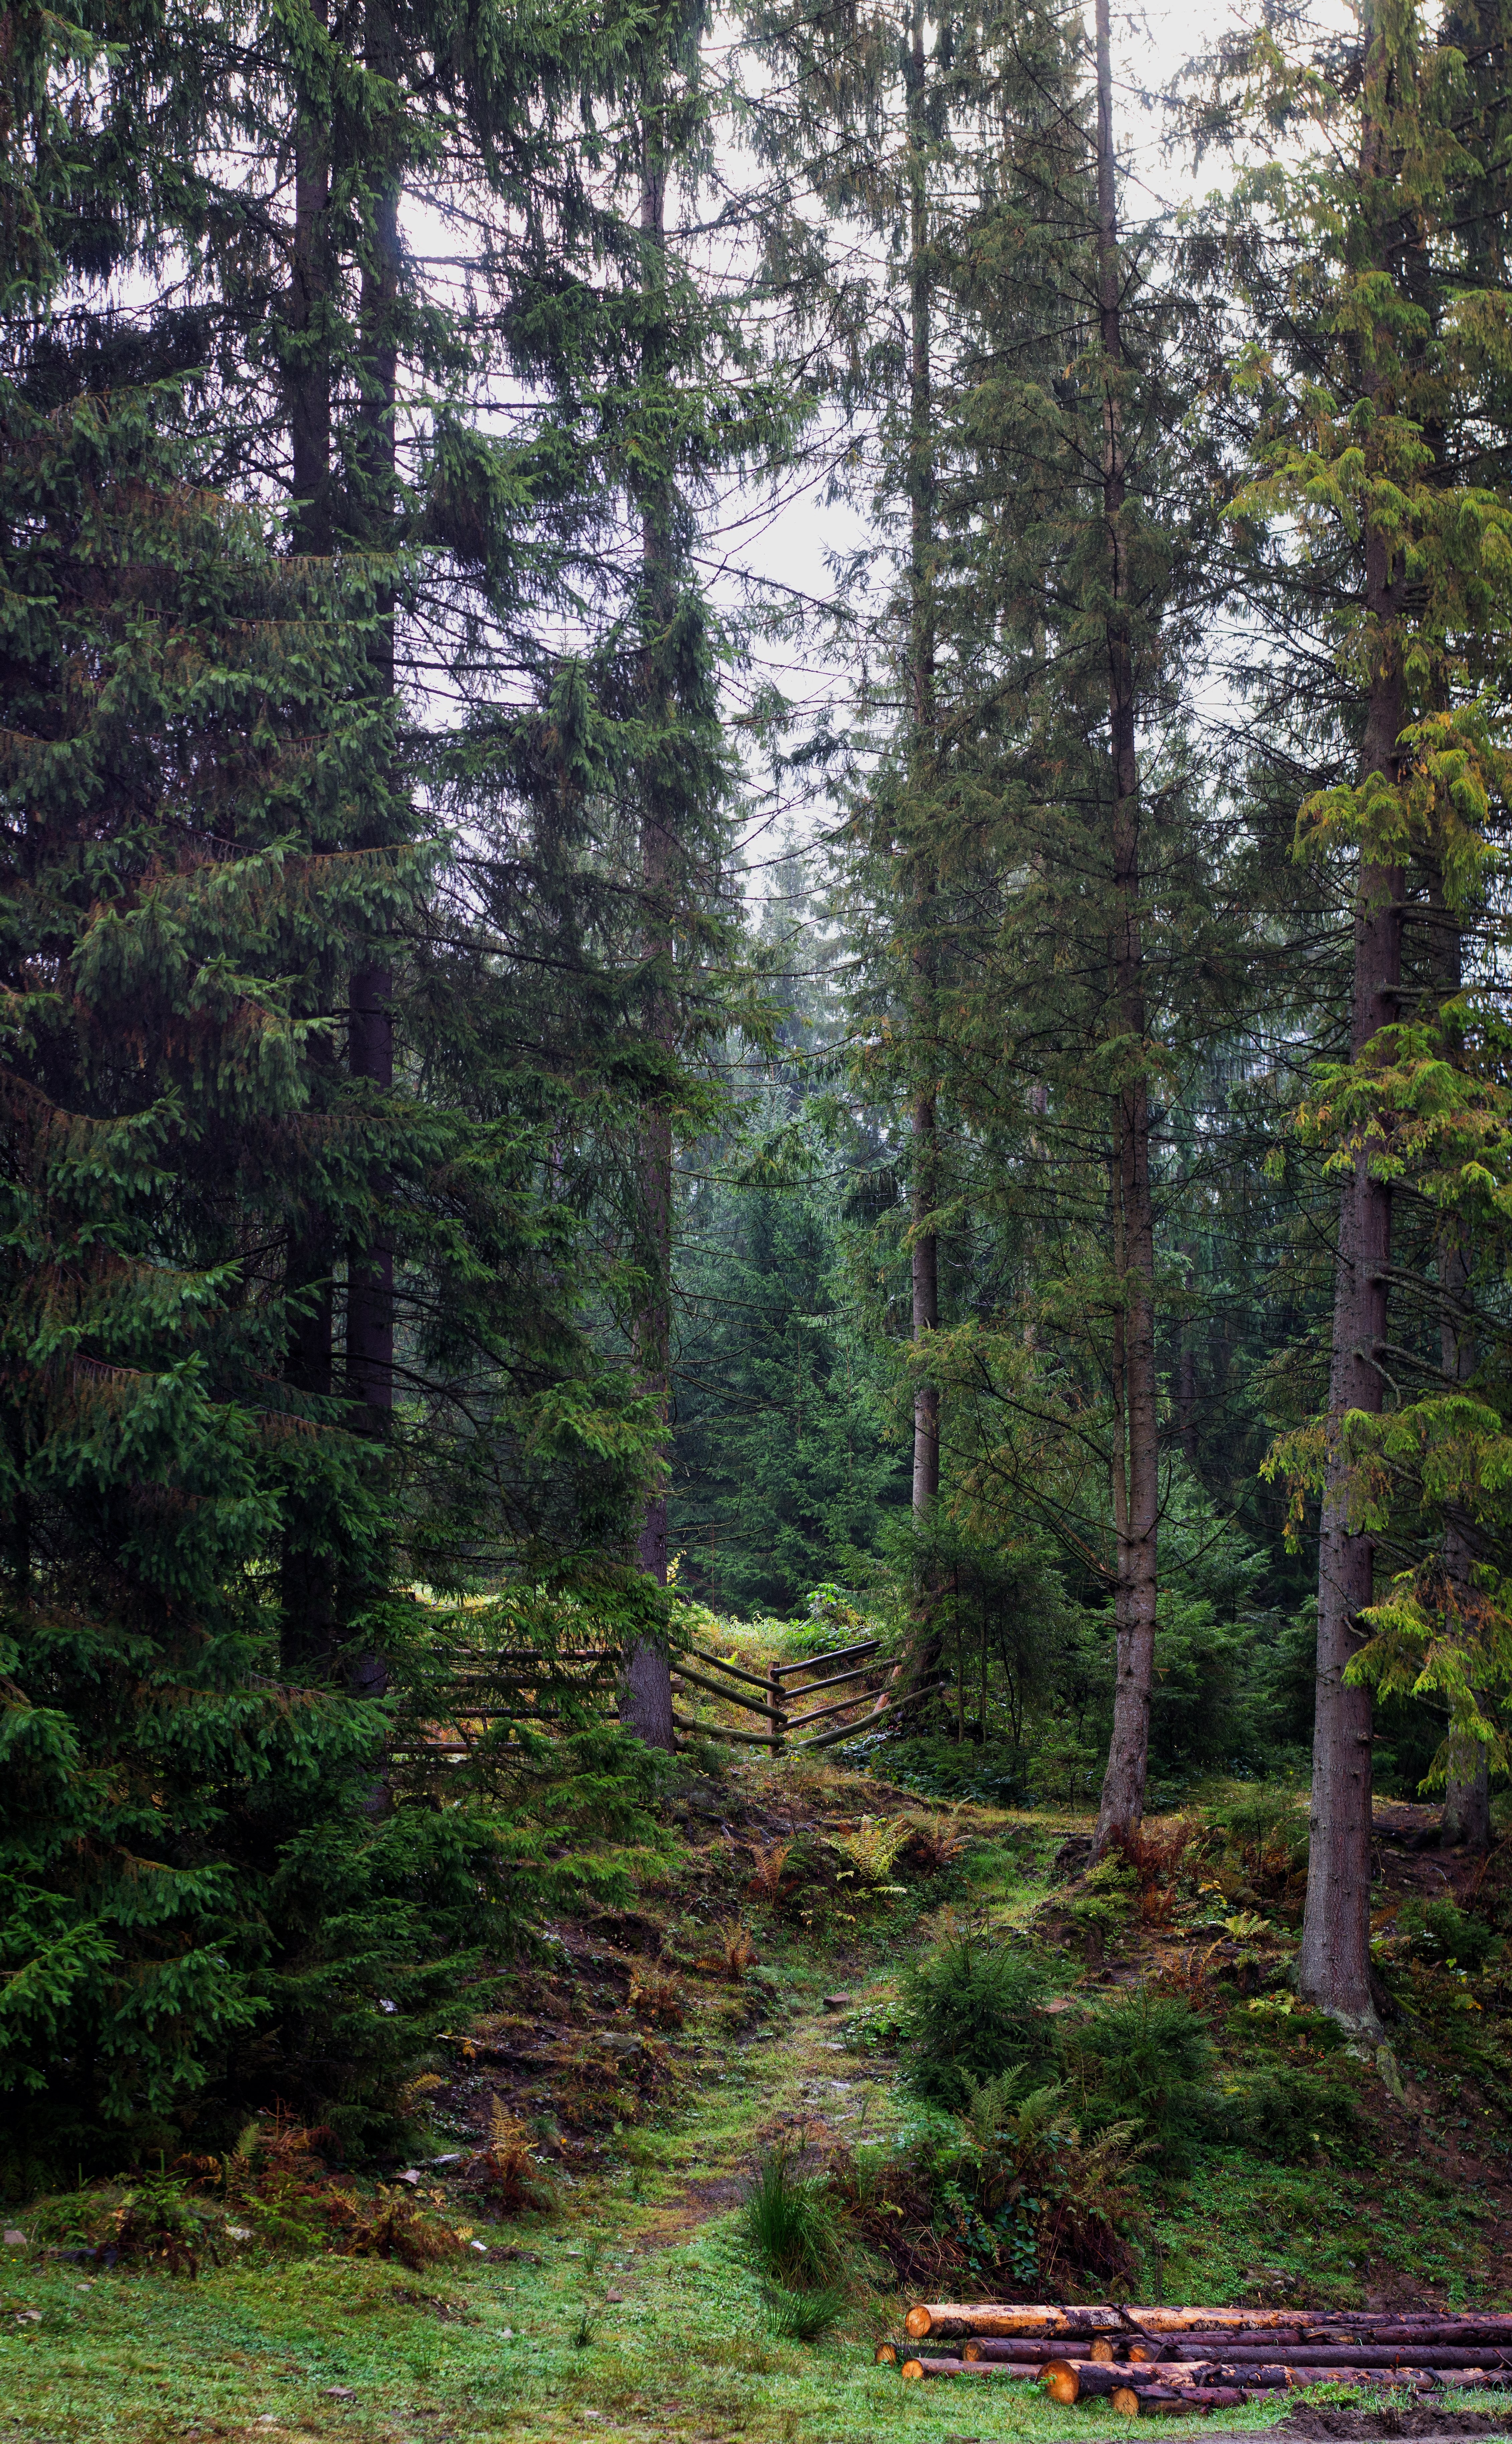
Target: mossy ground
632 2310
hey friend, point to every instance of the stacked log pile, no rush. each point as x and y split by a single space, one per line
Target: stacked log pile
1162 2360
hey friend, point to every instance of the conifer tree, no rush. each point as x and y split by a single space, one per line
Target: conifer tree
1065 558
1373 384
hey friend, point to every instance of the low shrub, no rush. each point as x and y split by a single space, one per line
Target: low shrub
1006 2193
157 2226
938 1842
804 2316
1046 2199
950 1769
1287 2113
876 2028
1103 1906
1261 1832
507 2172
1439 1931
1145 2062
970 2014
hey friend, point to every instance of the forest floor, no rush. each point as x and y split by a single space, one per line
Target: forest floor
642 2070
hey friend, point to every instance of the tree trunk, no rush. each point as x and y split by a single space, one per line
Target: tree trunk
1467 1824
307 376
1187 1370
370 1019
1136 1424
645 1693
370 1034
1333 1963
1332 1969
1467 1819
307 1584
924 1119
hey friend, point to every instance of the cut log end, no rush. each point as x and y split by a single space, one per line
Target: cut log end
1125 2403
1061 2381
913 2370
918 2324
1103 2349
886 2355
972 2352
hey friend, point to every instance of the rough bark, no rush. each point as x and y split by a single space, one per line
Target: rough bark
1186 1385
924 1117
307 375
369 1375
1465 1823
370 1024
645 1692
1333 1962
1333 1969
307 1585
1135 1471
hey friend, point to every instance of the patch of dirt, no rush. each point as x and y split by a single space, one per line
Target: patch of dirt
451 2312
695 2204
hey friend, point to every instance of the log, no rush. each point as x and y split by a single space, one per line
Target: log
1474 2322
1491 2334
1271 2379
916 2365
1098 2379
1178 2385
727 1696
1004 2320
838 1706
837 1655
540 1655
836 1681
1179 2380
1370 2354
1031 2353
735 1670
1008 2318
1062 2382
717 1731
882 1709
1164 2400
885 2355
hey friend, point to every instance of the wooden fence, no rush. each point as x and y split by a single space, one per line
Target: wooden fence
580 1684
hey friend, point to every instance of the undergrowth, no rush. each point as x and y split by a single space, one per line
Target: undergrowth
981 2110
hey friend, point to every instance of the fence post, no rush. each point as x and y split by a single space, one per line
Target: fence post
780 1717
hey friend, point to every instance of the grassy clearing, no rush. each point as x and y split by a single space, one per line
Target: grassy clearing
639 2308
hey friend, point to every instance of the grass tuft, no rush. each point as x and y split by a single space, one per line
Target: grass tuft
804 2316
791 2226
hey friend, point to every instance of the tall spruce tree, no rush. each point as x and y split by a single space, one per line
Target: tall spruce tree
1064 564
1380 383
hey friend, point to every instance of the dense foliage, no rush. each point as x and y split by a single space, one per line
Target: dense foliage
1061 1220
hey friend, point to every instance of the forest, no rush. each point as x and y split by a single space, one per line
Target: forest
755 772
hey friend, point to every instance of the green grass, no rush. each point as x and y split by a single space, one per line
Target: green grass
690 2353
687 2355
